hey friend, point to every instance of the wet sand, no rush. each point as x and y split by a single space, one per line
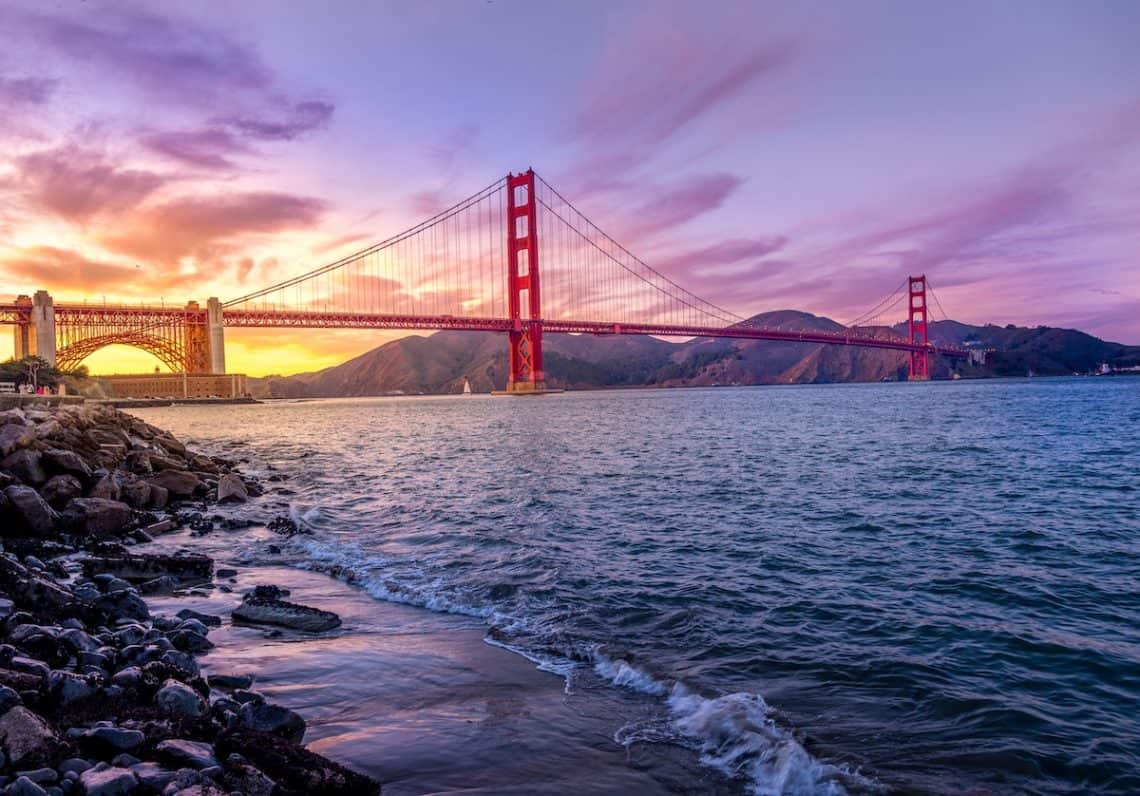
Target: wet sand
418 700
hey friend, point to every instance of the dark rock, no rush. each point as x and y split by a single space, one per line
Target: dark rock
128 677
178 483
275 719
153 776
136 494
232 489
64 461
67 687
179 699
74 764
20 682
32 513
294 768
162 585
106 488
159 496
25 787
30 666
108 781
125 604
14 436
194 626
162 526
40 775
185 566
243 778
8 698
226 573
26 738
181 660
260 611
192 753
189 641
206 619
79 641
26 465
118 739
138 462
34 591
96 516
230 681
60 489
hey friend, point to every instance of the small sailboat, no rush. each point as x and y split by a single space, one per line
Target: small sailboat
466 387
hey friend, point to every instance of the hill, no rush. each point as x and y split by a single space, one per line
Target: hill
439 363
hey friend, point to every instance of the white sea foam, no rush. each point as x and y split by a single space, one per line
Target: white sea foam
734 733
623 673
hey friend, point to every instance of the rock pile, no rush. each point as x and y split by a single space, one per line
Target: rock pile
97 695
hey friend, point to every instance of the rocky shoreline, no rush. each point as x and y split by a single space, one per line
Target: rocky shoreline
99 696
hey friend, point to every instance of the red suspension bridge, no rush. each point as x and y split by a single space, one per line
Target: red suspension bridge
563 274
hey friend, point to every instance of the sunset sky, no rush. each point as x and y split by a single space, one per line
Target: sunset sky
804 156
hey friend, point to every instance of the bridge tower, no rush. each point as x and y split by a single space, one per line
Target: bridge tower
524 300
23 343
43 327
217 335
195 338
916 328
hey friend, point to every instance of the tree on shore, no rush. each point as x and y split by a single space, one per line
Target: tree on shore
37 370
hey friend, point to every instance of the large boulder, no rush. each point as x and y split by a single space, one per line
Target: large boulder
178 483
112 781
60 489
105 488
58 460
147 566
32 590
14 436
265 717
305 772
136 493
261 611
27 740
179 700
232 488
32 513
195 754
96 516
26 465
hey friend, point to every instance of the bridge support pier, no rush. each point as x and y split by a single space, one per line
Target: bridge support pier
43 326
525 337
217 337
22 334
916 329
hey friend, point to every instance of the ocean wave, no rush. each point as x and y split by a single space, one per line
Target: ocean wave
734 733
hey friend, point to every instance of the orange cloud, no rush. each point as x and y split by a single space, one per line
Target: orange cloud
206 227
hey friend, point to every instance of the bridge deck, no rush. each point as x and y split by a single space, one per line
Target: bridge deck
268 318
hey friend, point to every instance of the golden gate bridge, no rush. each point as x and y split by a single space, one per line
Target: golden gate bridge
515 258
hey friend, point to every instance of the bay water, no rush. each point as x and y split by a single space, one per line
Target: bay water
928 588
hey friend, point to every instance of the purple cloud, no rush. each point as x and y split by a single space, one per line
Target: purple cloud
728 253
165 57
77 184
684 201
26 90
301 118
210 148
652 105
